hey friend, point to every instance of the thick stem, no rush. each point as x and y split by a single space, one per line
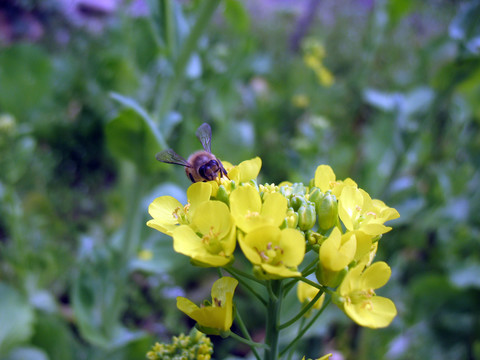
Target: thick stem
273 311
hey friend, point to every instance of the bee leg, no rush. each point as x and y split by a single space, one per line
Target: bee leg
223 171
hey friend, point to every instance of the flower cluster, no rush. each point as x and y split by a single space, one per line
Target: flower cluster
195 346
275 226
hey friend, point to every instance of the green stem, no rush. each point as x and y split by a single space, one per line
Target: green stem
304 330
273 311
245 333
314 284
231 269
247 286
310 268
250 343
302 311
170 92
300 327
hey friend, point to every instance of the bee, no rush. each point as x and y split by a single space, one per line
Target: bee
201 165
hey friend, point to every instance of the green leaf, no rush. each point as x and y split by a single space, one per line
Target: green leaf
53 336
16 318
456 73
129 137
98 301
397 9
237 15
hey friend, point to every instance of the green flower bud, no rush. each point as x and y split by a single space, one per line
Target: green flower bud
292 218
222 195
297 201
314 237
298 189
307 216
315 196
286 191
327 212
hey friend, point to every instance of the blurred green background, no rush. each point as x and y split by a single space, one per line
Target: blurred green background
386 92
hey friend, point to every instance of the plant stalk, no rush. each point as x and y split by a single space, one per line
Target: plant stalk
273 312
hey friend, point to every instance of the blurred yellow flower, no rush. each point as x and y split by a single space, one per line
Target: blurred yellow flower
217 317
356 296
277 252
300 101
210 239
306 293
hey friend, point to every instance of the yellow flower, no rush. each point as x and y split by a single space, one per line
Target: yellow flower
249 212
325 180
245 171
218 317
242 173
338 250
358 212
356 296
324 357
210 238
300 101
306 293
276 252
168 212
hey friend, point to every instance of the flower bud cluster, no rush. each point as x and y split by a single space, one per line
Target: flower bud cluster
195 346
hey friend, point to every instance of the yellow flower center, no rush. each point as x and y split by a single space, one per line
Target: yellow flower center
360 296
271 255
179 214
212 243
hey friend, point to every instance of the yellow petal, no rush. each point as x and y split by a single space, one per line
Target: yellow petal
213 216
187 242
324 177
306 293
350 205
375 276
377 312
245 206
333 254
258 239
274 209
293 244
278 272
222 287
197 193
185 305
249 169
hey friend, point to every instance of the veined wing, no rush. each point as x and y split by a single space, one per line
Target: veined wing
171 157
204 134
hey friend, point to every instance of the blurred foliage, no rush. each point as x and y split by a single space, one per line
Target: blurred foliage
87 102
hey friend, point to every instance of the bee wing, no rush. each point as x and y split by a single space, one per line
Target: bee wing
204 134
171 157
